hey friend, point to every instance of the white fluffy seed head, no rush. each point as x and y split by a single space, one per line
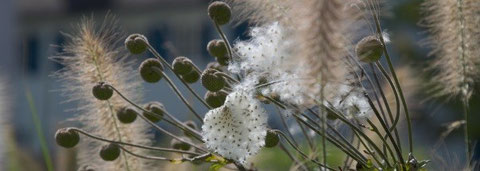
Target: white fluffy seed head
351 102
237 129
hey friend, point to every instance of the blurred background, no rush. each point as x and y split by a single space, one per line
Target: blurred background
30 29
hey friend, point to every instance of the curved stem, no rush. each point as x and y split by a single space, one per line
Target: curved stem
153 124
179 94
132 145
160 58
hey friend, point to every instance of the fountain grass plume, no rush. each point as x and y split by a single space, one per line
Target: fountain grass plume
94 54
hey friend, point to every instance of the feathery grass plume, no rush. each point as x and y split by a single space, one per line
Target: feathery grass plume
94 54
261 11
322 38
455 42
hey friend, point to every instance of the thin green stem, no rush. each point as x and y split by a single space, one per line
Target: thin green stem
179 94
397 83
160 58
153 124
130 144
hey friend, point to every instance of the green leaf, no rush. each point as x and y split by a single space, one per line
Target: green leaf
216 166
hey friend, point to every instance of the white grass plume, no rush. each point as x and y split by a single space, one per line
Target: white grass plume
455 39
92 55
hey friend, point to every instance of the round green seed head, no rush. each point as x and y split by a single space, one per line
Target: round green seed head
215 66
191 77
175 144
219 12
369 49
215 99
217 48
222 60
148 72
136 43
212 81
182 65
154 107
67 138
110 152
102 91
127 115
272 139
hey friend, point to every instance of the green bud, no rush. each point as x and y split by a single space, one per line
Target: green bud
67 138
212 81
175 144
217 48
215 99
272 139
147 71
127 115
219 12
102 91
215 66
222 60
369 49
191 77
110 152
136 43
190 124
156 108
182 65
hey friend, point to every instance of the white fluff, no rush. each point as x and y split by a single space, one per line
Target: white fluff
237 129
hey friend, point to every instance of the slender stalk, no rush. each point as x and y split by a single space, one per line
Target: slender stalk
397 83
132 145
153 124
299 151
179 94
160 58
229 47
468 148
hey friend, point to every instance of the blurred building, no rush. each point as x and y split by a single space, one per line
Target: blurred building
31 31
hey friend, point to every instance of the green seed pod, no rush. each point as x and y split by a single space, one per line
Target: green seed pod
182 65
147 71
215 66
190 124
369 49
222 60
212 81
215 99
219 12
217 48
67 138
127 115
136 43
156 108
87 168
110 152
102 91
175 144
191 77
272 139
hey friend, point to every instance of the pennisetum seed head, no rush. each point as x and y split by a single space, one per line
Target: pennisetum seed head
136 43
369 49
219 12
182 65
110 152
149 70
67 138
